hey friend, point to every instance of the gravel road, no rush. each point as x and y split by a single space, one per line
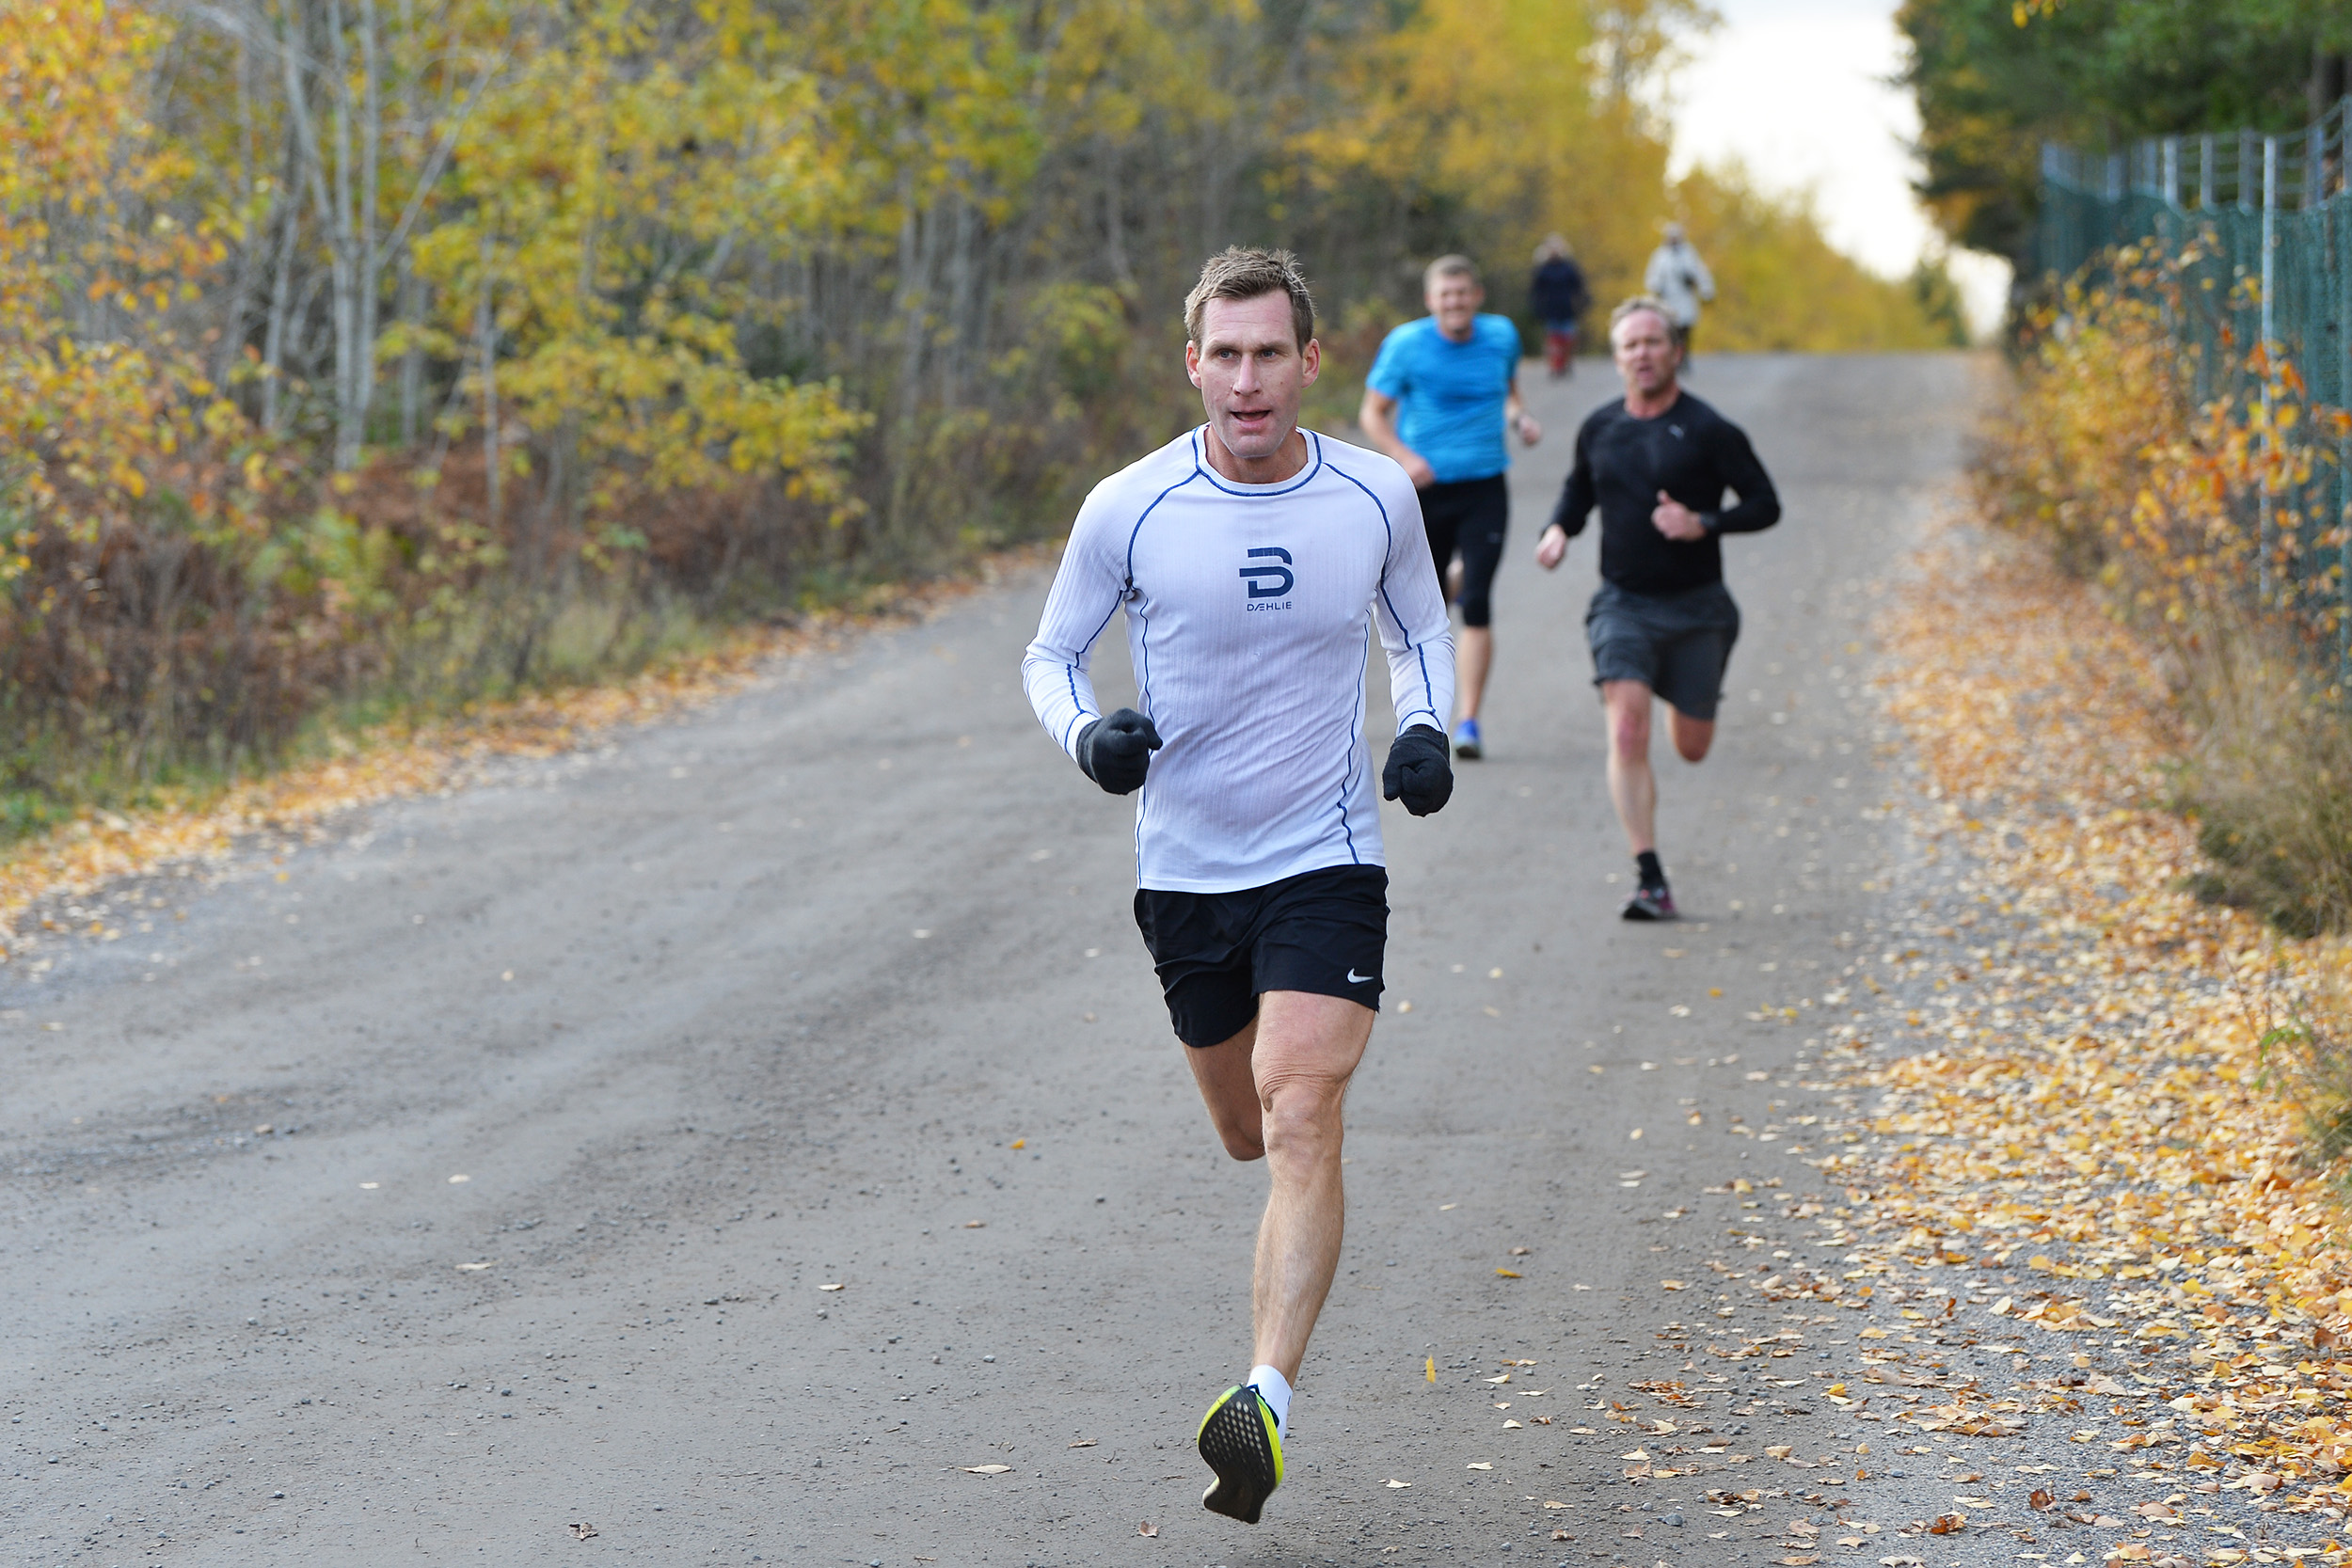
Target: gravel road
772 1114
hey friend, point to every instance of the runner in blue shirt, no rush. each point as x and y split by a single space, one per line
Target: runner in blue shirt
1439 395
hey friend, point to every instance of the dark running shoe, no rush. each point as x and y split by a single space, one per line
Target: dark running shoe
1651 903
1240 1441
1467 745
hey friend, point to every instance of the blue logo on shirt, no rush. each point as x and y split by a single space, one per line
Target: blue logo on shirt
1268 581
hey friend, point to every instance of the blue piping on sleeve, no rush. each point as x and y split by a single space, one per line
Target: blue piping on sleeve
1138 528
1428 691
1347 780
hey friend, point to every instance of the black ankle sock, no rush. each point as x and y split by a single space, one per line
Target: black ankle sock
1653 873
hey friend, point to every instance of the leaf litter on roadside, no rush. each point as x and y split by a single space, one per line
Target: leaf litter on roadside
2087 1109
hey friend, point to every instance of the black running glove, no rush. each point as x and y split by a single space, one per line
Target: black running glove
1114 751
1419 771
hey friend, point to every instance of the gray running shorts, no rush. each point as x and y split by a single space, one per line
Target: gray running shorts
1677 644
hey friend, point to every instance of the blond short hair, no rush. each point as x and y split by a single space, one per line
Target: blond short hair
1634 305
1240 272
1448 266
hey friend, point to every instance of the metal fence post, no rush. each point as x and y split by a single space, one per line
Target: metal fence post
2336 221
2269 327
2295 300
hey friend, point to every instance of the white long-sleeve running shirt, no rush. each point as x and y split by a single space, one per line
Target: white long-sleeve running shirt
1246 612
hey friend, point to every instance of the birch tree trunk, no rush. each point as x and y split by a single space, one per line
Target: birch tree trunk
280 307
338 221
369 264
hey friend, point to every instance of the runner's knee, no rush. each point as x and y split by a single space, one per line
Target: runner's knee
1301 1108
1692 741
1243 1143
1629 730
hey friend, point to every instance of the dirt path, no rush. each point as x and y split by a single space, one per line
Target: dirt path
561 1103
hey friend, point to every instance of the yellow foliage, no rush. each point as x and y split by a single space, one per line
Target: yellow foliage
1494 104
1783 287
99 407
588 159
2107 453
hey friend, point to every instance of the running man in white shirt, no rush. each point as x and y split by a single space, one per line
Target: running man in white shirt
1249 557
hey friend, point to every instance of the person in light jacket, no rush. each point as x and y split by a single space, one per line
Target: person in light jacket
1678 279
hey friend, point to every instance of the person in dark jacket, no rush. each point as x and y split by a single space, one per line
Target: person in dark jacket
1560 296
1657 462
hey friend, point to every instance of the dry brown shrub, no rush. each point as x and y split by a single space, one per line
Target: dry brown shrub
2107 455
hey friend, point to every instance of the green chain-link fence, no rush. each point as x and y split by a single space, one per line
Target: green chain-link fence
2259 228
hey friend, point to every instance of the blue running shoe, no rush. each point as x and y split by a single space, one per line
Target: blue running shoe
1466 744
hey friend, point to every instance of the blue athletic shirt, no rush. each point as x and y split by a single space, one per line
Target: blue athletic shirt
1450 394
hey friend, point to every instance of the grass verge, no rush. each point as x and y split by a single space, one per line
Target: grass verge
421 749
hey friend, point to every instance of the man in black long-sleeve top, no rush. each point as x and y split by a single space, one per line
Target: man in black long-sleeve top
1656 462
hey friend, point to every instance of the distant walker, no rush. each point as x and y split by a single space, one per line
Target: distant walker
1559 294
1681 283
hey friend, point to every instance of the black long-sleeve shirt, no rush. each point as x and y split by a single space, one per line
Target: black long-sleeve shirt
1690 451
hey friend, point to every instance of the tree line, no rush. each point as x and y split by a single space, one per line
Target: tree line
366 352
1996 78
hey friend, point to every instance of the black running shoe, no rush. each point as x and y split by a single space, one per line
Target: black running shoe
1651 903
1241 1443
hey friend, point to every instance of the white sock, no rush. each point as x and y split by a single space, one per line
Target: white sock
1276 1390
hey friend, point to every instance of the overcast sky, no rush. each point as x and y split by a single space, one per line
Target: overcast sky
1799 91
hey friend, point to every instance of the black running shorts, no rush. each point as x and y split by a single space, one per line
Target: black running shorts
1321 931
1469 516
1677 644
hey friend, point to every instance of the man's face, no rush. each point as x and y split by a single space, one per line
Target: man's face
1647 354
1251 372
1454 298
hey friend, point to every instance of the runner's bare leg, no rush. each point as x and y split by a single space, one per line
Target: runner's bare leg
1692 736
1474 651
1632 787
1277 1089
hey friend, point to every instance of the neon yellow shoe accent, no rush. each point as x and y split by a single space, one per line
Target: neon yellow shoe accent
1240 1441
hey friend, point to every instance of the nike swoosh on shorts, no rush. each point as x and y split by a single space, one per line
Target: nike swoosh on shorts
1356 979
